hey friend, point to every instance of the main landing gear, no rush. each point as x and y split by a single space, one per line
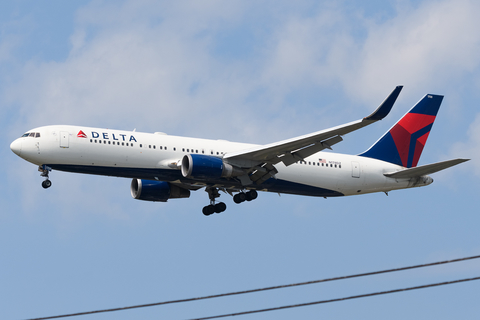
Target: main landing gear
213 207
44 173
245 196
220 207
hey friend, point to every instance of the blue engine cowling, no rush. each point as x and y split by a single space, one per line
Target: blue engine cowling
150 190
202 167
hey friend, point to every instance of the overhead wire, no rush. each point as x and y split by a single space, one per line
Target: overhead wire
258 289
337 299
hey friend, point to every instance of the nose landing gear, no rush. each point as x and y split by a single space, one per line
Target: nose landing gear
44 173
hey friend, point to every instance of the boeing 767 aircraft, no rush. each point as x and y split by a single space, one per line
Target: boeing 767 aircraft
168 167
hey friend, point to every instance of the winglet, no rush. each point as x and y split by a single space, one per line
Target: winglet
386 105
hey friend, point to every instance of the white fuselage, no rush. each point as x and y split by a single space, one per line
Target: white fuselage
157 157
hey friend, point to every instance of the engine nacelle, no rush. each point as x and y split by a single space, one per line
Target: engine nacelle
198 166
150 190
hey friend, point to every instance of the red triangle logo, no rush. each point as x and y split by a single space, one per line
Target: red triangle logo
81 134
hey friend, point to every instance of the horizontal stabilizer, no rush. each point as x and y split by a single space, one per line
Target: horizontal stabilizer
423 170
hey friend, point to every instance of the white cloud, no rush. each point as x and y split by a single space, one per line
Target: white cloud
470 149
425 47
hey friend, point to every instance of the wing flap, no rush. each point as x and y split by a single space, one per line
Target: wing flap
424 170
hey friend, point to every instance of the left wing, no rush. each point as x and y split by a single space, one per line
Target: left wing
423 170
262 158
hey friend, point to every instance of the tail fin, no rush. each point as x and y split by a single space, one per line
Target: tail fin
403 143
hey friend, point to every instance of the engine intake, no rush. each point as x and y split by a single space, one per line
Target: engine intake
198 166
150 190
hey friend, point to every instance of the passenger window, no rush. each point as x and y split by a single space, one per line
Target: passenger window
91 140
123 144
109 142
104 142
154 147
118 143
140 145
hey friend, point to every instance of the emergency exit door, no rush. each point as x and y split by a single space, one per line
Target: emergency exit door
64 139
355 169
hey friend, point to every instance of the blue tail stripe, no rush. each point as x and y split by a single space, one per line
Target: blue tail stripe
413 140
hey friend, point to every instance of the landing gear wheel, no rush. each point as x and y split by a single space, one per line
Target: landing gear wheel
208 210
237 198
253 194
46 184
240 197
220 207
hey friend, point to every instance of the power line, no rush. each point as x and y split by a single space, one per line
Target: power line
258 290
338 299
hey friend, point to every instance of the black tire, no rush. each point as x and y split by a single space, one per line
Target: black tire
253 194
237 199
46 184
242 196
208 210
205 211
220 207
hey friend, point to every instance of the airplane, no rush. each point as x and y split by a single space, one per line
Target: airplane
164 167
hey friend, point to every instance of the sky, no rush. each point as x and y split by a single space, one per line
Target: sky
246 71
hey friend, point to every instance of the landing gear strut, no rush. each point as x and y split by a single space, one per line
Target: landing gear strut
213 207
44 173
245 196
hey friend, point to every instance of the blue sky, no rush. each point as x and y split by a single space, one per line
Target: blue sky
250 72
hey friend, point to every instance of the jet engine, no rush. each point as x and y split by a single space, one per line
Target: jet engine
150 190
198 166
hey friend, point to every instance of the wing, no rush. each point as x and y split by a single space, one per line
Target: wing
423 170
262 158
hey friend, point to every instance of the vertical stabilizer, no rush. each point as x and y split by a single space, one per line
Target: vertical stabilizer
404 142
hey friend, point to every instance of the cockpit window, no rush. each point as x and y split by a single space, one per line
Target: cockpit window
32 134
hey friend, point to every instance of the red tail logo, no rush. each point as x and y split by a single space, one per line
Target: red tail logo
81 134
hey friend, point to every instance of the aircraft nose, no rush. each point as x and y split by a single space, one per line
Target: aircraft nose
16 147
